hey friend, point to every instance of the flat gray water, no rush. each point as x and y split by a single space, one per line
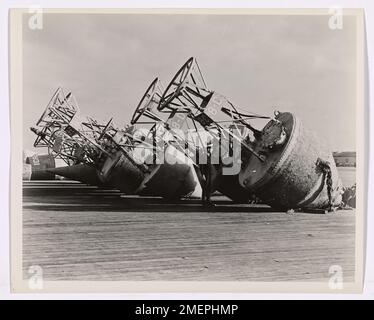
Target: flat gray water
348 175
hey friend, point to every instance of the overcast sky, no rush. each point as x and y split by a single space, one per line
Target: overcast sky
261 63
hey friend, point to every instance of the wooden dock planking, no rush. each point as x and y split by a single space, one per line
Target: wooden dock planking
89 234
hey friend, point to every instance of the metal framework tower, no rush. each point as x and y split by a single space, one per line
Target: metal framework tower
281 153
188 93
66 135
83 140
210 113
172 164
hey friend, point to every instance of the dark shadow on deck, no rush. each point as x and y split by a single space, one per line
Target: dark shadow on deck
70 197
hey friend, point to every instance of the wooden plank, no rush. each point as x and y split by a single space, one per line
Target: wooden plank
102 236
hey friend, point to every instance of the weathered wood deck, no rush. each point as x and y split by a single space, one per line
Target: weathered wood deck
75 232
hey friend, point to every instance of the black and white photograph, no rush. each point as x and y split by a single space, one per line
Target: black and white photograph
187 150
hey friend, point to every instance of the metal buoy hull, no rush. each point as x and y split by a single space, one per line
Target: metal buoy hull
79 172
229 186
291 176
125 175
39 167
172 179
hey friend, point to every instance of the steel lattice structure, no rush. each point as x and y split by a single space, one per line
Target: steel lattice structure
64 134
188 93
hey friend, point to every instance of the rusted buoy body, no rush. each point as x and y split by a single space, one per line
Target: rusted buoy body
297 170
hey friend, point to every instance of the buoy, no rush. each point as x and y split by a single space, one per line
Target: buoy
172 179
299 170
79 172
40 165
